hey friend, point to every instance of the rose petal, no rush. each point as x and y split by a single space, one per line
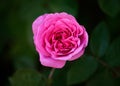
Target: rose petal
49 62
77 51
84 39
63 58
40 49
76 56
40 41
68 16
36 24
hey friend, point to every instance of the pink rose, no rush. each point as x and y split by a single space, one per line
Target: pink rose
58 38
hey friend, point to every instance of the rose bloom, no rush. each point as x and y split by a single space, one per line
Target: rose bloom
58 38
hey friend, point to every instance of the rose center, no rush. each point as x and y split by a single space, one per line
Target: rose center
63 47
58 36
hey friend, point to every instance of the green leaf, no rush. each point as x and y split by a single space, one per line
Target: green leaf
110 7
27 77
113 55
99 40
81 70
103 78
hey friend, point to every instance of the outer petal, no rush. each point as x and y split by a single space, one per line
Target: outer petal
63 58
36 24
80 50
65 15
78 55
49 62
86 41
84 37
40 41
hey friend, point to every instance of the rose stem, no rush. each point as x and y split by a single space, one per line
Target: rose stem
51 73
50 76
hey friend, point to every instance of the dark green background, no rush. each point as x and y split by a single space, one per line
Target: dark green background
19 61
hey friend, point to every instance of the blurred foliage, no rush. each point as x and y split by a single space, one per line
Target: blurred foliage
27 77
100 66
81 70
111 7
99 40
